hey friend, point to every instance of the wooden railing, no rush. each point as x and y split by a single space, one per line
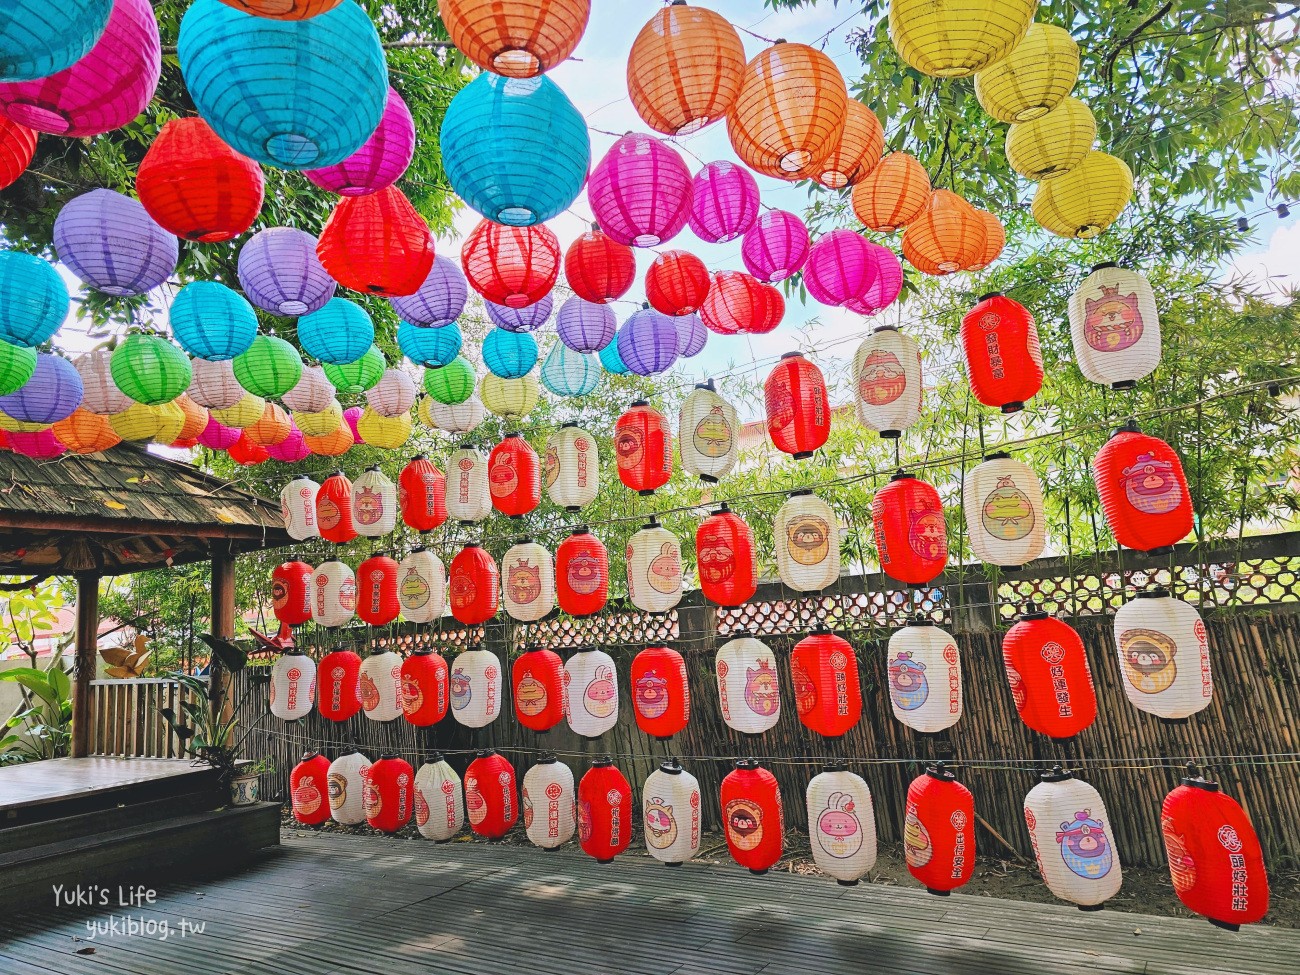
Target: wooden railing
126 719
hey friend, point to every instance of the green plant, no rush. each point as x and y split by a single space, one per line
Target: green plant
44 728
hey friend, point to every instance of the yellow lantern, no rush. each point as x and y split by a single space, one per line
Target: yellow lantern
10 425
1086 200
243 414
171 421
510 398
1054 143
388 432
136 422
956 38
1031 80
320 424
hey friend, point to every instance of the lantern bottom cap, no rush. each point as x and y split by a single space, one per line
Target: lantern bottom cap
1160 550
708 479
550 849
1063 741
1173 721
1015 407
672 864
646 492
1225 925
1092 907
758 873
1010 568
938 893
802 454
609 860
1124 384
890 434
663 737
847 883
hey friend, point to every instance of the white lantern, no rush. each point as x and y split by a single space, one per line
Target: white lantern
213 384
347 784
422 586
591 693
381 686
1115 327
1073 840
924 669
1005 519
841 825
468 498
572 469
1164 656
749 691
670 812
312 393
807 537
298 505
293 686
99 392
476 688
453 418
549 803
708 433
528 581
393 395
654 569
374 503
439 801
333 594
887 381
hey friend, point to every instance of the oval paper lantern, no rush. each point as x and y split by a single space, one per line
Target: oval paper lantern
995 241
647 342
334 594
293 686
388 432
572 464
377 602
749 691
422 586
280 272
84 432
1050 680
41 444
807 537
591 692
1085 201
269 368
1052 144
291 592
439 301
1115 327
440 796
924 668
347 783
893 194
424 682
490 795
393 395
111 244
453 417
1005 520
598 269
776 246
956 38
468 498
476 688
725 558
798 406
939 831
1073 840
537 679
640 191
887 380
549 801
509 355
582 574
643 448
947 235
380 685
512 266
670 813
654 569
1003 358
514 476
857 152
35 299
1164 657
752 816
1031 80
676 283
527 581
724 203
377 244
692 335
841 824
515 38
327 421
338 682
526 319
37 41
339 333
308 789
661 693
708 433
334 509
828 694
604 811
380 161
1143 491
389 794
149 369
422 494
585 327
99 393
430 346
374 503
472 578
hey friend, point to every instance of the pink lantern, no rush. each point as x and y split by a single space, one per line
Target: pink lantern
640 191
40 445
724 202
776 246
884 288
292 448
218 436
841 267
353 416
380 161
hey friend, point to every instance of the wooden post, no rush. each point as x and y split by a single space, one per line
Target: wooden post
223 623
83 667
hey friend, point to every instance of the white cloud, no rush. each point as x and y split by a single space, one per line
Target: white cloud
1275 268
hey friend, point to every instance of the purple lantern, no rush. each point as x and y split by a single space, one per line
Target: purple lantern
50 395
218 436
40 445
724 202
437 302
640 191
280 272
840 268
112 244
885 288
691 335
104 90
647 342
380 162
291 449
585 326
775 247
527 319
351 416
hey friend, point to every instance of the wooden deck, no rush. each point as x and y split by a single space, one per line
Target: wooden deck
60 779
342 905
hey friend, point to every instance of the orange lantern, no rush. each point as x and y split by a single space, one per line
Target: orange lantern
84 432
284 9
858 151
196 418
334 444
995 240
947 236
515 38
893 194
377 244
274 427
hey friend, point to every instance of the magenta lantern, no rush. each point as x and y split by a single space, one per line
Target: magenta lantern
640 191
380 161
724 202
353 416
292 448
218 436
885 287
840 268
776 246
40 445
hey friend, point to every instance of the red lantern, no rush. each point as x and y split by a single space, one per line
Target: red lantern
424 688
377 590
911 534
582 574
939 831
1002 354
661 694
827 692
309 789
676 283
752 816
538 681
17 147
197 187
247 453
1143 491
389 794
738 302
511 266
598 268
1047 669
771 313
490 795
604 811
291 592
514 476
338 685
798 406
334 509
725 558
422 494
473 583
377 244
1215 859
643 446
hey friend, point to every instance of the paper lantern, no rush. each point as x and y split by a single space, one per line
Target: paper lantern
515 39
84 432
670 814
509 355
841 824
99 393
423 678
1030 81
215 436
677 282
472 578
374 503
468 498
422 586
514 476
509 398
640 191
572 467
725 558
284 9
1085 201
1073 840
736 303
291 592
776 246
1054 143
347 781
52 393
333 594
604 811
827 692
643 448
334 509
292 449
422 494
1215 859
322 424
312 393
537 678
334 444
1164 657
295 94
269 368
280 272
439 300
527 581
111 244
841 266
1050 680
380 683
515 150
149 369
340 332
583 326
377 582
430 346
308 789
939 831
388 432
549 801
887 380
529 318
1115 326
708 434
1003 359
440 800
582 574
380 161
1143 491
947 235
36 42
512 266
453 417
17 147
798 406
1005 520
389 794
377 244
749 692
140 422
40 445
893 194
857 152
661 693
393 396
490 795
924 668
18 363
35 299
570 374
452 383
654 569
807 537
724 204
293 686
752 816
358 376
591 693
885 286
338 676
172 419
610 361
957 38
599 270
691 335
476 681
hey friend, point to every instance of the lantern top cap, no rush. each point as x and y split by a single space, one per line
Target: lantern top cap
418 548
581 530
918 620
801 493
1032 612
568 423
603 762
836 766
940 771
884 328
465 445
991 294
514 434
792 355
639 402
652 522
1103 266
375 467
747 764
385 756
472 545
420 457
1155 592
742 635
1128 426
307 756
423 652
1056 774
548 758
902 476
1195 780
723 508
338 473
524 540
707 384
485 752
435 758
821 629
672 767
998 455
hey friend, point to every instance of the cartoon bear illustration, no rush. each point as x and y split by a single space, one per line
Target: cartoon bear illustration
1150 485
1084 846
660 826
524 582
927 535
744 823
550 467
368 508
527 808
839 831
371 801
530 695
421 809
762 690
651 695
629 447
348 594
338 787
1112 322
808 539
1007 513
600 697
328 514
882 378
412 695
585 573
369 692
715 558
475 804
1148 658
908 685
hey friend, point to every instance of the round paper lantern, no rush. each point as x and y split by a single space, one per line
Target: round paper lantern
910 531
430 346
691 335
295 94
1005 520
893 194
776 246
948 235
374 503
841 824
1115 326
725 558
591 692
40 445
422 586
424 682
677 282
338 685
582 574
439 301
956 38
924 670
36 41
513 266
476 687
790 113
708 434
527 581
887 380
439 801
452 383
798 406
736 302
749 691
509 355
84 432
358 376
334 444
215 436
610 361
172 419
1085 201
324 423
724 204
1164 657
347 781
140 422
35 299
752 816
18 364
292 449
515 39
549 801
381 160
293 686
526 319
807 536
308 788
1003 359
939 831
643 448
640 191
1073 840
1030 81
393 395
472 578
538 682
100 393
210 321
599 270
654 569
1050 680
280 272
604 811
857 152
284 9
422 494
841 266
291 592
572 468
334 509
661 693
196 417
827 692
389 794
149 369
670 812
468 497
377 580
452 417
1143 491
570 374
1052 144
340 332
377 244
269 368
333 595
509 398
380 684
110 242
514 476
52 393
17 147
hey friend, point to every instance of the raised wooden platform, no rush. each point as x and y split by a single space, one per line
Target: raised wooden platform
38 791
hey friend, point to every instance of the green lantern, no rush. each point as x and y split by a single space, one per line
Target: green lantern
357 377
270 368
149 369
17 363
452 383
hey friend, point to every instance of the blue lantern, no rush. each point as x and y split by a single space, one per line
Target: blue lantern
340 332
52 393
39 38
210 321
647 342
33 299
569 373
515 149
609 359
296 94
509 354
527 319
430 346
